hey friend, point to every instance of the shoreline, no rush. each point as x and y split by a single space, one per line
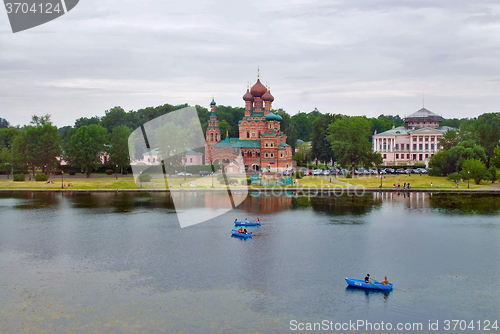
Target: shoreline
322 191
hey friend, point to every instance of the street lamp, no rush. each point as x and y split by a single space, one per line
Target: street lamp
468 178
116 174
62 179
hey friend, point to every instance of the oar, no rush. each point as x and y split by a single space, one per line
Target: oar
375 284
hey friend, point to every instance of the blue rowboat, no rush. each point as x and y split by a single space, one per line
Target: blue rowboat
241 235
358 283
246 224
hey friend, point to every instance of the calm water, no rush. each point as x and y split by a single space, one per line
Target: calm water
120 263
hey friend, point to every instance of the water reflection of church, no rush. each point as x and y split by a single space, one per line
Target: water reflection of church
260 144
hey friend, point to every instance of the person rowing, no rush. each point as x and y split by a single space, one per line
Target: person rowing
258 220
240 230
385 281
246 220
367 278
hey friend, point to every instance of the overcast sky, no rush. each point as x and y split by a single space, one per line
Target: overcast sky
354 57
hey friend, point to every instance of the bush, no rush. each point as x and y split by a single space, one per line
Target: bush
299 174
41 177
72 172
494 173
454 177
220 177
195 169
246 182
109 171
18 177
145 177
348 175
419 165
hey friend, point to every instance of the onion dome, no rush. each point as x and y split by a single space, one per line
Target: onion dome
258 89
248 97
267 96
273 117
213 102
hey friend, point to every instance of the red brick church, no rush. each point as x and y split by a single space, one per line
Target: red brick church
261 142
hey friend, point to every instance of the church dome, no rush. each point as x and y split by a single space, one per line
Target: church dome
267 96
213 102
248 97
258 89
273 117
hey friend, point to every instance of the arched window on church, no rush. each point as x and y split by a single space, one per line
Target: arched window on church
216 137
248 134
259 134
211 137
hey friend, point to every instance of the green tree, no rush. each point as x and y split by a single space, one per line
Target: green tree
224 128
19 151
4 123
86 147
303 154
495 159
115 117
396 120
493 171
348 137
440 164
42 144
7 137
485 128
288 127
464 150
320 146
450 139
6 161
474 169
449 161
86 121
118 147
303 126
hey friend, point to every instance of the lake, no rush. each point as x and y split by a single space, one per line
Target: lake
120 263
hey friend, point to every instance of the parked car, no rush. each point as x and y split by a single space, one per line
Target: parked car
204 173
287 173
326 172
184 174
382 171
317 172
400 171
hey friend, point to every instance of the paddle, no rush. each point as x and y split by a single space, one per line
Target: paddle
375 284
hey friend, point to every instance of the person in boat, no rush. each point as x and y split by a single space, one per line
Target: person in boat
245 231
258 220
236 220
246 220
240 230
367 278
385 281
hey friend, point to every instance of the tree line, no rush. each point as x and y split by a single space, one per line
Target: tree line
332 137
471 151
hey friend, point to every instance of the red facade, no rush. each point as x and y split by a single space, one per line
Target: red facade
261 142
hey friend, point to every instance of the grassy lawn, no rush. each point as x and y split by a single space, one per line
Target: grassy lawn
416 181
197 182
112 183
